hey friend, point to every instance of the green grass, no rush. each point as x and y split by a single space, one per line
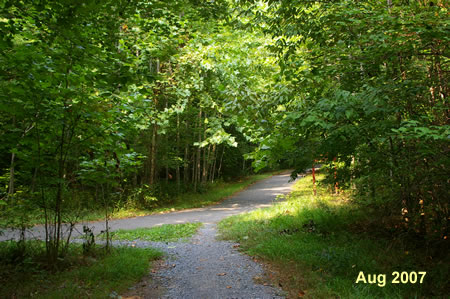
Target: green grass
213 194
317 245
163 233
79 276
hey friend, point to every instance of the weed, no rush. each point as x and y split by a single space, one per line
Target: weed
77 275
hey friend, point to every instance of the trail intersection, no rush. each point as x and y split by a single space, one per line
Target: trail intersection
203 267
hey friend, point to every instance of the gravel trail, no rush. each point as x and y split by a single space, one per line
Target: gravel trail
209 268
202 267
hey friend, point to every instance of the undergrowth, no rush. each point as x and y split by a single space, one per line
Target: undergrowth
317 246
24 272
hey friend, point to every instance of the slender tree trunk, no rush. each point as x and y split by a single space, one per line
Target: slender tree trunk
194 168
153 154
43 201
11 176
154 139
148 163
194 162
106 204
199 151
166 152
12 168
213 164
33 180
220 163
58 220
186 157
177 174
205 161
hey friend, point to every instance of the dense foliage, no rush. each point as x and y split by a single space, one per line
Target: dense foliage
129 102
117 103
364 91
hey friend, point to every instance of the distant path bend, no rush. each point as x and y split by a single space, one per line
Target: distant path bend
258 195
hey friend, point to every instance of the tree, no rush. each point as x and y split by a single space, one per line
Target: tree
366 87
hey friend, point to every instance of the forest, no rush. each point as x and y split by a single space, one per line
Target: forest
118 104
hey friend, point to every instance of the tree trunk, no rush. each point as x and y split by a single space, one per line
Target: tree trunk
177 173
58 220
213 164
106 204
166 152
199 151
193 169
186 157
153 154
220 163
205 160
154 139
12 169
11 176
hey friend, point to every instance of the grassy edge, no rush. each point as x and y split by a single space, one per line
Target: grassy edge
311 249
162 233
93 276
